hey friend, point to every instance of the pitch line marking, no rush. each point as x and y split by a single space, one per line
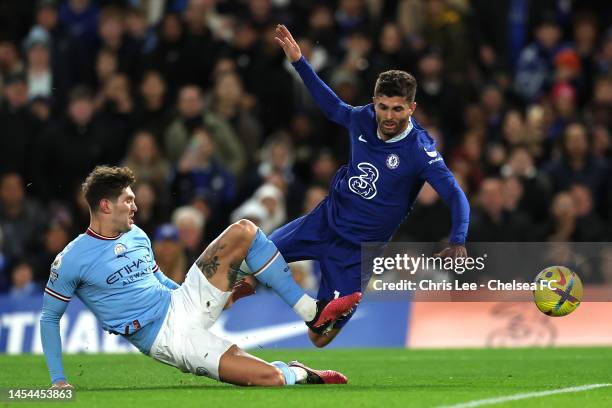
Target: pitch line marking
499 400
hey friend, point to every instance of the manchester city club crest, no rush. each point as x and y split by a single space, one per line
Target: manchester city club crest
393 161
120 249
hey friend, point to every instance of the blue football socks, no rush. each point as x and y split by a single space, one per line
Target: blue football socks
269 267
287 372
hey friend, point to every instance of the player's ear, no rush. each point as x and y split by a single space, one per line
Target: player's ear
412 107
105 206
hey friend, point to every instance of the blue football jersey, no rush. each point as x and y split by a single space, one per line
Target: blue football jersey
113 278
117 279
371 195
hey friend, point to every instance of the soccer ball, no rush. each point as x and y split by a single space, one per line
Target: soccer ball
565 295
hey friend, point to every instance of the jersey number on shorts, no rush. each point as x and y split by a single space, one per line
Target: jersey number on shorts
365 183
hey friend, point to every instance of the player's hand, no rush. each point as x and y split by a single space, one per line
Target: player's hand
453 251
242 288
287 43
61 385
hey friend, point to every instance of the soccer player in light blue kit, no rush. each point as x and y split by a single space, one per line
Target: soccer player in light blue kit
112 270
392 156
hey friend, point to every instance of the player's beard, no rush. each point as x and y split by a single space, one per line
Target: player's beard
396 130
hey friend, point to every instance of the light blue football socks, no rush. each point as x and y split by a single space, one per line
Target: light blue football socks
293 375
268 266
287 372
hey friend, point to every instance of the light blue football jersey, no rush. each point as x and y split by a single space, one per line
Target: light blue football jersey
113 278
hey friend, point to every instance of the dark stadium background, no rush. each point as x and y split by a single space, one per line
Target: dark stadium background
197 98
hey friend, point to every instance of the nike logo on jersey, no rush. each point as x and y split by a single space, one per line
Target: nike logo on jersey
361 139
431 154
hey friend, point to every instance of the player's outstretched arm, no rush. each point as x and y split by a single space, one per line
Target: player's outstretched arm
328 101
52 311
442 180
164 280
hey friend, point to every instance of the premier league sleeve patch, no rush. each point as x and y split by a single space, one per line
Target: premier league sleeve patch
57 262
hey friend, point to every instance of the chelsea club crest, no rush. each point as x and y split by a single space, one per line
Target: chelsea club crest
393 161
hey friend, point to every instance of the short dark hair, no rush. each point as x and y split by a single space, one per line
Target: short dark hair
106 182
396 83
79 93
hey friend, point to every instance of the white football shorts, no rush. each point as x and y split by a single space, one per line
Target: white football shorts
184 341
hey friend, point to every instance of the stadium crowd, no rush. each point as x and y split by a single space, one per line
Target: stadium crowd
197 98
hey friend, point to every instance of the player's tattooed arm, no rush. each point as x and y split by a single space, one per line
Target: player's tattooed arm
208 262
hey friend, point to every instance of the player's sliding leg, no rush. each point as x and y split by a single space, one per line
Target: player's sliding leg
219 264
241 368
268 266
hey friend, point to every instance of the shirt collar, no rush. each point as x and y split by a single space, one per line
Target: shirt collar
400 136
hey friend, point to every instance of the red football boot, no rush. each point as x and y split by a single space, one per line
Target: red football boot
329 312
320 376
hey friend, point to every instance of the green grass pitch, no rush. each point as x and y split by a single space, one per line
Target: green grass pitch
377 377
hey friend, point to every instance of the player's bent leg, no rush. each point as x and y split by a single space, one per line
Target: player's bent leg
241 368
220 261
322 340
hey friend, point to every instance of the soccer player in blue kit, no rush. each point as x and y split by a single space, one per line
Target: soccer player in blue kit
111 268
392 156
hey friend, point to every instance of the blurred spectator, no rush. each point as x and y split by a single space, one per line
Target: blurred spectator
79 138
390 53
323 168
169 254
10 64
445 31
253 211
599 110
200 48
151 108
270 83
39 73
80 17
145 159
189 223
491 222
106 66
534 71
56 238
351 16
535 185
230 102
604 57
149 214
198 173
21 219
23 285
116 110
573 219
564 108
429 220
322 28
435 95
273 200
492 102
313 197
578 165
276 158
191 115
41 109
589 224
167 57
19 128
466 159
